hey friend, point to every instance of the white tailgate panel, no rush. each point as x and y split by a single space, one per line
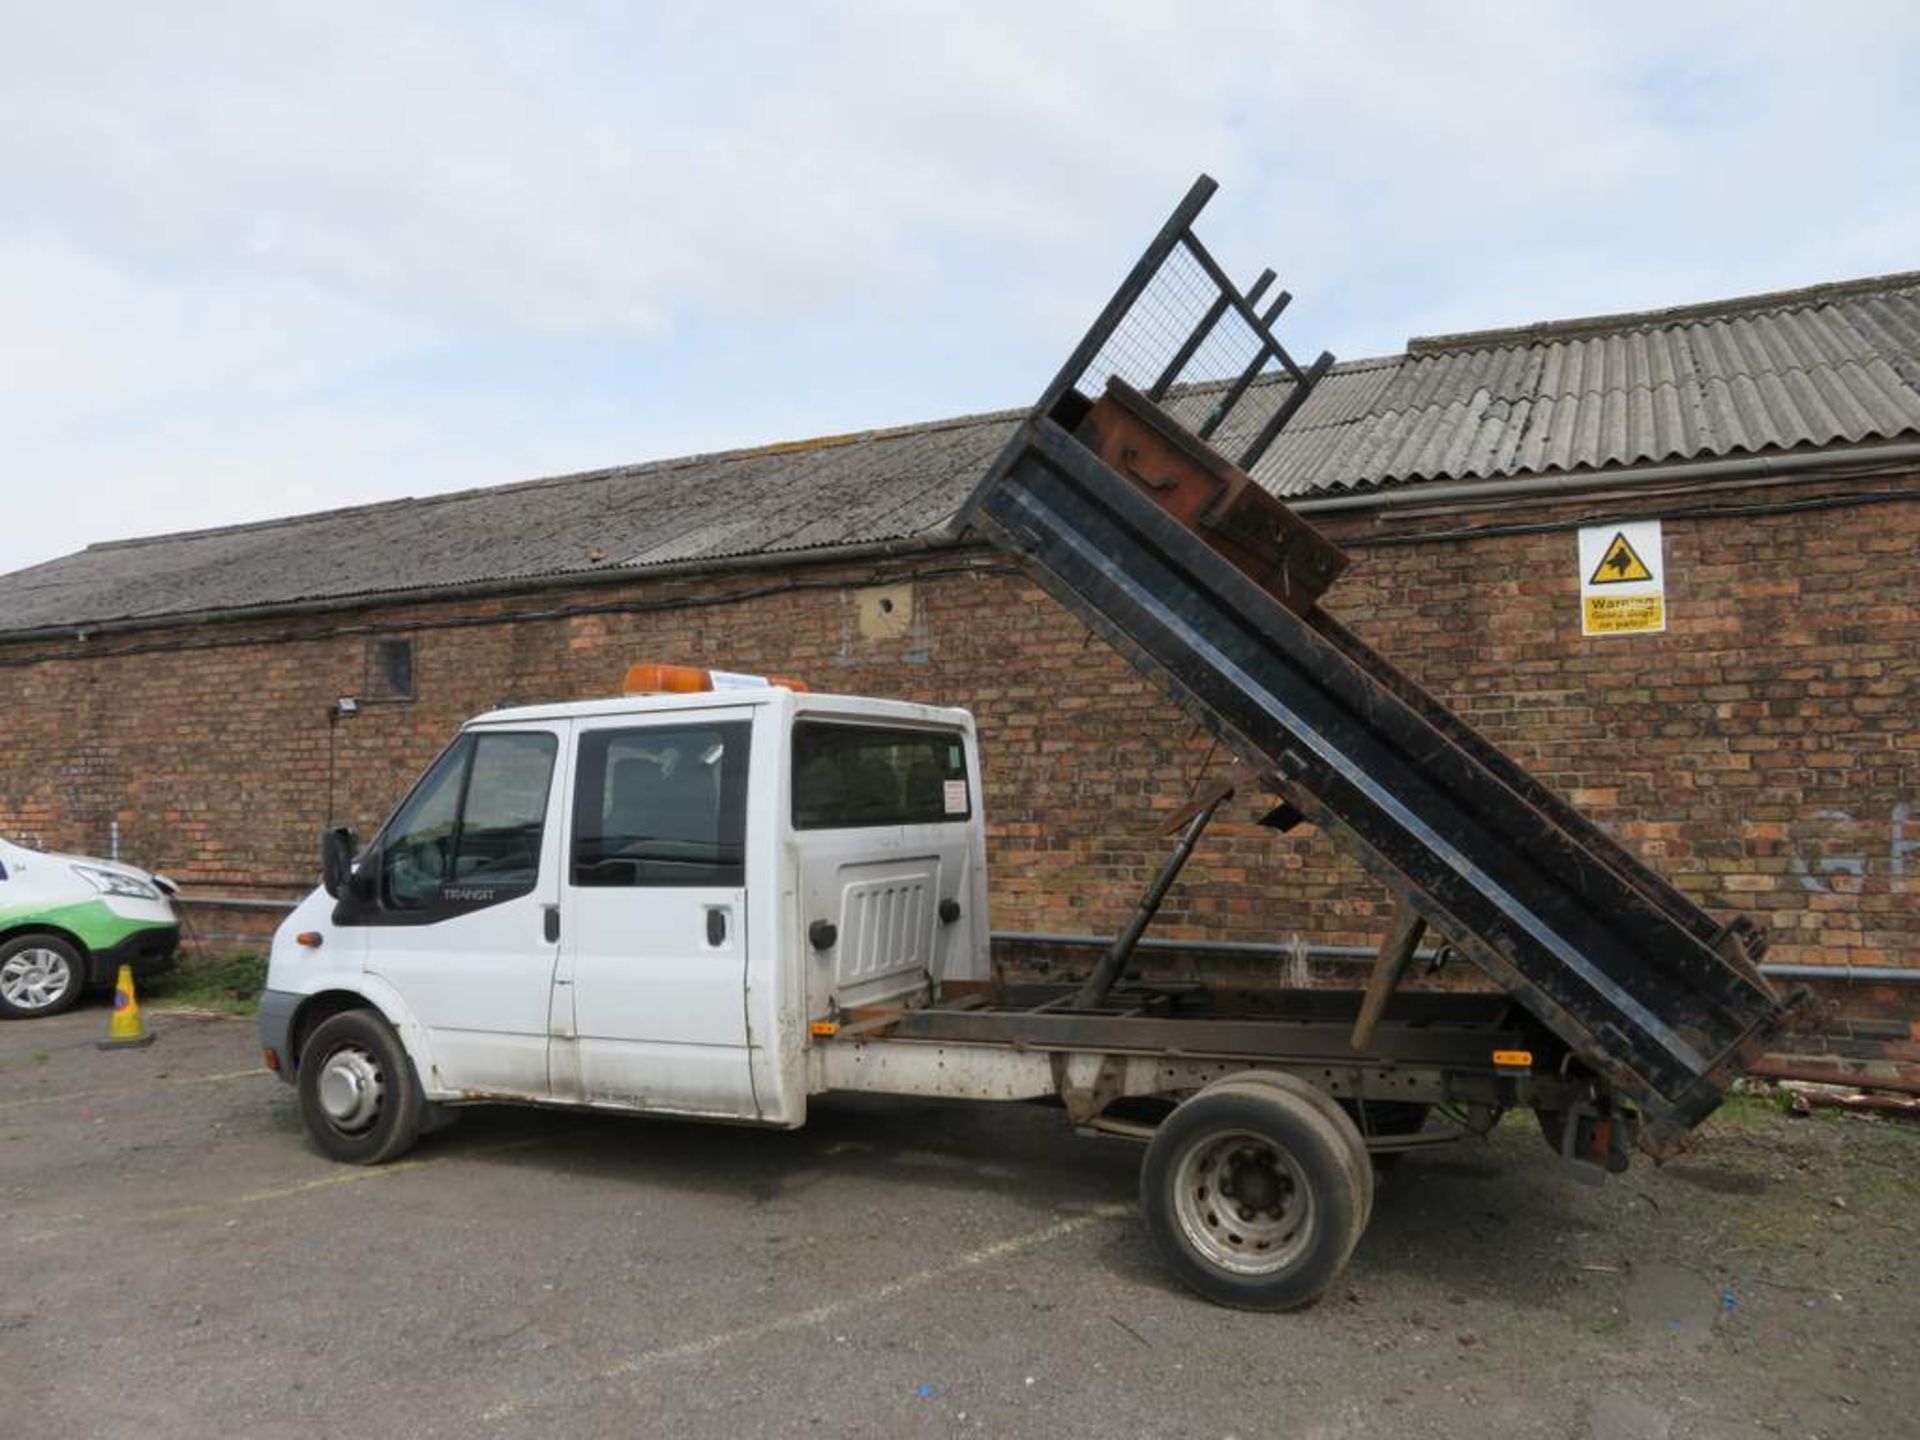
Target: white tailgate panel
887 919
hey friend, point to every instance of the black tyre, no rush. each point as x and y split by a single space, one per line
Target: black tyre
1251 1194
358 1095
40 975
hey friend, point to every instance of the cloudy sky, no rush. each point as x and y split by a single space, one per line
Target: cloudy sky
260 259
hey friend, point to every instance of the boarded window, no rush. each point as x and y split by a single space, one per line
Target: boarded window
389 669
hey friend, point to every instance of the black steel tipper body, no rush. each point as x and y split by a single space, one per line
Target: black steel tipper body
1662 1001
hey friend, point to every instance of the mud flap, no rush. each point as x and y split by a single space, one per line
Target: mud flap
1593 1143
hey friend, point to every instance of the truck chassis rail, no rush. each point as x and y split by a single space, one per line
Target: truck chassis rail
1465 1051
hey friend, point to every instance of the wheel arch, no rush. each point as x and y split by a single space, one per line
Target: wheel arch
324 1004
42 927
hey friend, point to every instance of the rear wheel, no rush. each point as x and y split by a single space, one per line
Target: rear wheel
39 975
1252 1195
358 1095
1336 1115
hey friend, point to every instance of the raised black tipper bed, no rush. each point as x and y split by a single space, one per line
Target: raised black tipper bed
1118 495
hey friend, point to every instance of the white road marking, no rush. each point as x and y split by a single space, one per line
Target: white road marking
255 1197
136 1089
833 1309
344 1176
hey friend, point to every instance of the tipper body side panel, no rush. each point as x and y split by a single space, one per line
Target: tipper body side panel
1210 585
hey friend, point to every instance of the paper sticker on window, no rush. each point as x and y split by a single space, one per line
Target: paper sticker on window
956 797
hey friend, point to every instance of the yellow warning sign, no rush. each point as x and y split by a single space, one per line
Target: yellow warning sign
1620 564
1623 588
1623 614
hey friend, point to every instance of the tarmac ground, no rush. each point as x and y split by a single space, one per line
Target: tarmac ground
179 1262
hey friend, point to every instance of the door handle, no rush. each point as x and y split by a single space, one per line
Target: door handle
716 926
550 922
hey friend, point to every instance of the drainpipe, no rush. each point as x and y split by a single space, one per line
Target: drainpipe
1874 974
1426 492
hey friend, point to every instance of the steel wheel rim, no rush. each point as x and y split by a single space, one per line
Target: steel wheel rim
350 1088
36 978
1242 1203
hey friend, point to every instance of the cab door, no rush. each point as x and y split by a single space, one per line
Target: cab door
459 913
654 914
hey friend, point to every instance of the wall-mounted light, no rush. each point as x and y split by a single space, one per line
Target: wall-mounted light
346 705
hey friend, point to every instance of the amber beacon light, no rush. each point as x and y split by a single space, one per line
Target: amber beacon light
657 679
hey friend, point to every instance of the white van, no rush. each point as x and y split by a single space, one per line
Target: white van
650 903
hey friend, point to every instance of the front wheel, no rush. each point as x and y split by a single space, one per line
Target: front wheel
1251 1194
40 975
358 1095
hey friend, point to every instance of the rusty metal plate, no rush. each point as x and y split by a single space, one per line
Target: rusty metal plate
1219 502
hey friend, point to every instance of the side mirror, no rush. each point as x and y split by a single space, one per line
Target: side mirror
337 847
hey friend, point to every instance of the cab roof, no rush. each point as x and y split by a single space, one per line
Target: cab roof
863 707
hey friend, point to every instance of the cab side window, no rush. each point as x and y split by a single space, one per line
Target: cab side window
663 805
469 835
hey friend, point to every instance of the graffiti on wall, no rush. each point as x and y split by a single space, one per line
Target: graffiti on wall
1824 871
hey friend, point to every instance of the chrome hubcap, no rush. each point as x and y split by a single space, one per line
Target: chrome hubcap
35 979
350 1088
1243 1203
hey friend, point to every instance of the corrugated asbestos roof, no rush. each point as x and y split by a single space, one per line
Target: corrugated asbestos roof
818 495
1833 365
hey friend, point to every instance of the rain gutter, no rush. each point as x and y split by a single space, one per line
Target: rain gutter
487 589
1741 468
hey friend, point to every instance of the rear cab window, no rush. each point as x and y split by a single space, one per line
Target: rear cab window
848 775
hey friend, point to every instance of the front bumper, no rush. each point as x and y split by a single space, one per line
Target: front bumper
276 1028
147 951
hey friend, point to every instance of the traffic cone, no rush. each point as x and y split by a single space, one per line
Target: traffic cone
126 1027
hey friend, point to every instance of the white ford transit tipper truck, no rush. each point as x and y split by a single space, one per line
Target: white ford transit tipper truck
727 901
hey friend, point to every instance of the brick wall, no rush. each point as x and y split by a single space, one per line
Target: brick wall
1762 752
